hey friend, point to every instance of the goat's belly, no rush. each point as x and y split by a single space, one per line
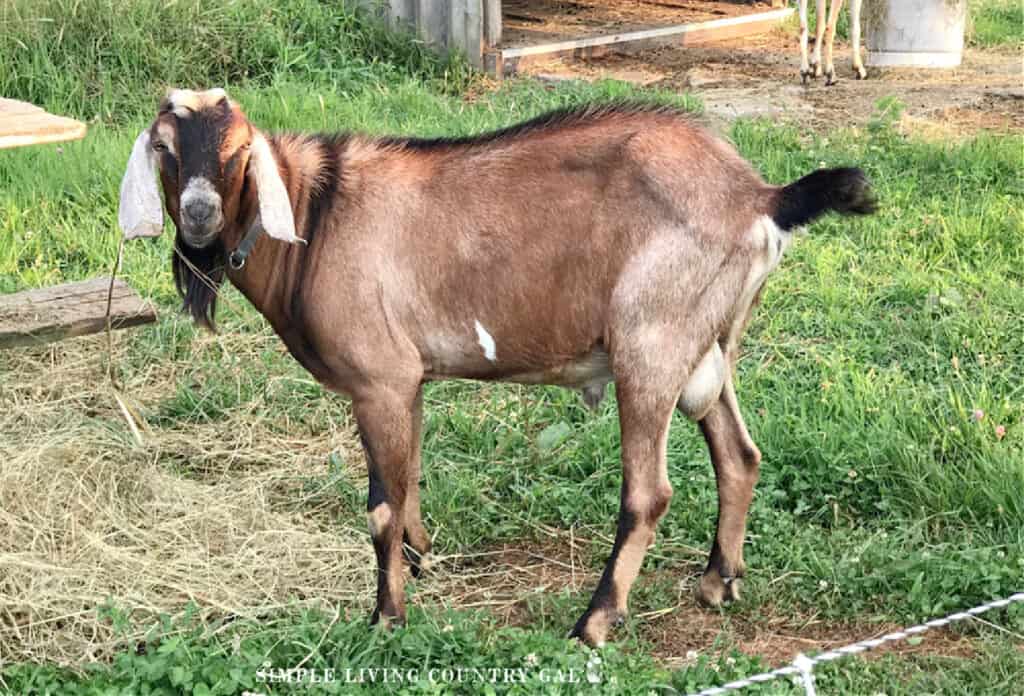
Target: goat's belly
705 385
589 373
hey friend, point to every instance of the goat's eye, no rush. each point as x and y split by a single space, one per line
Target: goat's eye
159 147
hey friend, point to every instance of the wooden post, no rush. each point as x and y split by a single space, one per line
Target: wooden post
474 33
466 30
432 22
457 25
401 14
492 23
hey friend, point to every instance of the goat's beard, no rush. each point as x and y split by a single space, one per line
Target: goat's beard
198 293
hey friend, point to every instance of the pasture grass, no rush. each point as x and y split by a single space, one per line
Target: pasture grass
234 534
108 60
995 23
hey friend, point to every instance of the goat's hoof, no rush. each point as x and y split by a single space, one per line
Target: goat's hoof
419 561
805 76
386 621
860 73
417 553
595 624
714 590
419 564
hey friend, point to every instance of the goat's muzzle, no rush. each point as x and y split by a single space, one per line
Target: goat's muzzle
202 216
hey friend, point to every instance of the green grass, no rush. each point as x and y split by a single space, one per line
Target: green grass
996 23
109 59
348 658
881 499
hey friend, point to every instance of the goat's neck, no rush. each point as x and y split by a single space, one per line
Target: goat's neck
262 278
268 277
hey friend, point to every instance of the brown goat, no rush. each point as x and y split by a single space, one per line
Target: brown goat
614 243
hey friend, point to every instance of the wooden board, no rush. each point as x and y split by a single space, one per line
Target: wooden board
465 29
507 61
492 23
26 124
50 314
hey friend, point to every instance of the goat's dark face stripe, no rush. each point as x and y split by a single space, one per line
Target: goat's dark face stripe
199 139
205 162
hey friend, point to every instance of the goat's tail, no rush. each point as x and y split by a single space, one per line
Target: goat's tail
845 190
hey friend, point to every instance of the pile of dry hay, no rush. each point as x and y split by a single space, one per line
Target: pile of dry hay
219 513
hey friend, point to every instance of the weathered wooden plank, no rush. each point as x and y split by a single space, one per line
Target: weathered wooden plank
513 59
25 124
432 23
457 25
475 33
50 314
13 106
492 23
402 14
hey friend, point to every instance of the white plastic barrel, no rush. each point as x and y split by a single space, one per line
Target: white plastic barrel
917 33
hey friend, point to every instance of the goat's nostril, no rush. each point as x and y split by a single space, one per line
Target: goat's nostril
199 211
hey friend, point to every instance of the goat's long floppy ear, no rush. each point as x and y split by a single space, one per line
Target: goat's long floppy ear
275 206
140 213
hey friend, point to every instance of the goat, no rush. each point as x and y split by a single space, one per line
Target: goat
617 243
827 30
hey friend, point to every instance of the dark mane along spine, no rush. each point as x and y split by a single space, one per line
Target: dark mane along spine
559 118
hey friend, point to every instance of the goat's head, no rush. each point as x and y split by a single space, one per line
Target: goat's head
213 164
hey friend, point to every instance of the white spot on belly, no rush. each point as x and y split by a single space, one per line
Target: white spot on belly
486 341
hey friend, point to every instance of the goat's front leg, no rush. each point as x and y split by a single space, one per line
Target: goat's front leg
417 540
805 66
385 418
830 39
735 458
646 492
858 65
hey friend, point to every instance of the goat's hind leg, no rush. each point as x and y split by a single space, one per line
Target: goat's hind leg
805 66
858 64
644 416
736 459
820 23
830 39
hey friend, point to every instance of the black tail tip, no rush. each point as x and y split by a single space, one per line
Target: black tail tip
845 190
851 192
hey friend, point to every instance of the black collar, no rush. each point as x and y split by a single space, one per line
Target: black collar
236 259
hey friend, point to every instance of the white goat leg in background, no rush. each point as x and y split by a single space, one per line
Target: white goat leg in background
819 36
805 66
858 65
826 20
830 36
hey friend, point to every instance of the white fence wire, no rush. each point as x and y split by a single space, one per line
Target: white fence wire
803 666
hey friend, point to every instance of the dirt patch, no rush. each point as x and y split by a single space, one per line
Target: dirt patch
759 77
997 111
529 22
508 581
778 637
